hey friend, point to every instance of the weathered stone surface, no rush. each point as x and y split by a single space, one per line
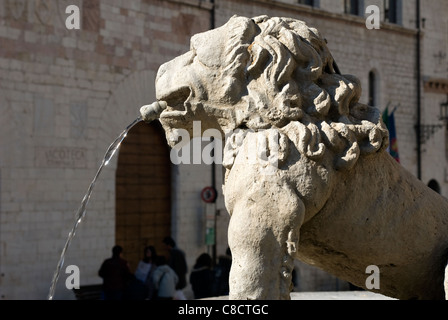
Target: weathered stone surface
307 172
446 282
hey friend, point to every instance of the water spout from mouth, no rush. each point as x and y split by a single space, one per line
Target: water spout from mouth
152 111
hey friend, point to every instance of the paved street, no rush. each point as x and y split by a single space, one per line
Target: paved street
322 295
339 295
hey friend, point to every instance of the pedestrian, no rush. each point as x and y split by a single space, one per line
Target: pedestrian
145 268
201 277
116 275
165 280
178 263
222 272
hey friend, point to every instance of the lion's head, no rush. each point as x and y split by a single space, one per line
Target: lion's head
265 73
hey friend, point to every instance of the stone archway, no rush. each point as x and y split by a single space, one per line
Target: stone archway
143 191
127 200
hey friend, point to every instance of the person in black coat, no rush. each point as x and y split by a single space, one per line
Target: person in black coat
201 277
177 262
116 275
222 272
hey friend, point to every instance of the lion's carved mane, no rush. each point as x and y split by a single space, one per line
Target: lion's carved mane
283 73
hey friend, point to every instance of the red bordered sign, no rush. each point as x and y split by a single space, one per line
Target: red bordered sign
208 195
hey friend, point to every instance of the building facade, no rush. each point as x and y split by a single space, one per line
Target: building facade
67 93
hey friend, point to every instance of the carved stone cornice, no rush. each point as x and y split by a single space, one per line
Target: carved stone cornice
436 85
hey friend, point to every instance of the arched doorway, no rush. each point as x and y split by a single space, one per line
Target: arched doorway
434 185
143 191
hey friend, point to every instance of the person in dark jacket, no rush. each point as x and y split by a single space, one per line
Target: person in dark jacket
201 277
116 275
177 262
222 272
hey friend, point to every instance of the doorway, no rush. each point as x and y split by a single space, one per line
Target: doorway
143 191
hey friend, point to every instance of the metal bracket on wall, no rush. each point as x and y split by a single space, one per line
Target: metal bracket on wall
428 130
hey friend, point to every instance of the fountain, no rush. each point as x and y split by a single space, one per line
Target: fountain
333 197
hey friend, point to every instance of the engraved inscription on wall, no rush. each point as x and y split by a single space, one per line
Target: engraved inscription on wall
46 12
60 157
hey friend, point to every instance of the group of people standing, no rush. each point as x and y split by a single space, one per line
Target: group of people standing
159 278
211 281
155 278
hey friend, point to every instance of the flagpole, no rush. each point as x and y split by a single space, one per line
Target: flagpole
395 108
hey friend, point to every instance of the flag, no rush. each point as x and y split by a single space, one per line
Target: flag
389 121
386 122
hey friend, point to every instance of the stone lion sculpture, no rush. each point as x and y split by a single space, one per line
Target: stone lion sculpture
324 189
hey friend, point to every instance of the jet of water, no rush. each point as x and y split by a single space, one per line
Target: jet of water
149 113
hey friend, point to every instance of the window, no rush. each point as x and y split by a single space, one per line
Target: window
434 185
372 89
313 3
355 7
393 11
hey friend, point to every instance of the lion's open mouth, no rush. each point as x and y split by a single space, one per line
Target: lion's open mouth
176 101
